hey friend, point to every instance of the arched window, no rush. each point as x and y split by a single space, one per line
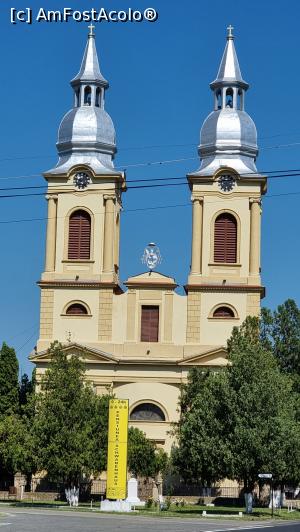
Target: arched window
76 309
79 235
147 412
223 312
219 99
229 98
98 97
87 95
225 238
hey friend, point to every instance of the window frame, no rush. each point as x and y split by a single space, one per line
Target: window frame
66 236
147 401
212 239
76 302
223 318
158 306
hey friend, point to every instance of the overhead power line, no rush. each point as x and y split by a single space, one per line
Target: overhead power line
155 146
134 187
271 174
124 167
157 207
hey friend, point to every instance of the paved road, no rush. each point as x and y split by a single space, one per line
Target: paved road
23 520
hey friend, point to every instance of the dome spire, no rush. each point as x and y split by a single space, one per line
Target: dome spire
229 69
228 135
90 70
87 134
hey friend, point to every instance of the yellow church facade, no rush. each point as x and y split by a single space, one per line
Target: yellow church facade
139 342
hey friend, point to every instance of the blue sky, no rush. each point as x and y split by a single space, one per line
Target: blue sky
159 95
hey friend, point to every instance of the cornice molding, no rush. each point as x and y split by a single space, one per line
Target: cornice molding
226 288
79 284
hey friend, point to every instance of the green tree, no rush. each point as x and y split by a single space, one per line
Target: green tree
16 445
203 453
282 329
70 424
240 421
143 457
9 385
262 409
26 389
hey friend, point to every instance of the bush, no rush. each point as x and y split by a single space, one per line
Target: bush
149 503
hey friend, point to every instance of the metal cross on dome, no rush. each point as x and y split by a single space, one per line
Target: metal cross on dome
230 31
151 256
91 28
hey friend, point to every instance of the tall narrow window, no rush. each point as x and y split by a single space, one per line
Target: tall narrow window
79 235
225 238
87 96
229 98
98 97
149 323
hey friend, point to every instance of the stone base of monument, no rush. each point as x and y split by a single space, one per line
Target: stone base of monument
132 490
115 506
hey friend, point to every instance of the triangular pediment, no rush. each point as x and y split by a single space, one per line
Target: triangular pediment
215 356
151 279
86 353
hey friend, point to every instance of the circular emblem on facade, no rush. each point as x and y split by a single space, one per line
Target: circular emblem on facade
81 180
226 182
151 256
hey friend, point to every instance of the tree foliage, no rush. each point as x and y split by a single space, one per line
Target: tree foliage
143 457
202 453
17 451
26 389
70 425
281 329
240 421
9 385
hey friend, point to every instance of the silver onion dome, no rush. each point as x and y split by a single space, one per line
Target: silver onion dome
228 136
86 134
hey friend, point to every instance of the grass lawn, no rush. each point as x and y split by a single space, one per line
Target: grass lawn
189 510
221 511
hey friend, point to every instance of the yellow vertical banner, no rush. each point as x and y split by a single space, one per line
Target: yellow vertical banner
116 486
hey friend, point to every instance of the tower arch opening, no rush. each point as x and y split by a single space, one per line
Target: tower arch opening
87 96
229 98
98 97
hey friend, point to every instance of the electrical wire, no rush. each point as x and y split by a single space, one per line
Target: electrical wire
150 163
27 341
125 211
12 338
132 187
280 174
155 146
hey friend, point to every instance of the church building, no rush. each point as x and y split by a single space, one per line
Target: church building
139 343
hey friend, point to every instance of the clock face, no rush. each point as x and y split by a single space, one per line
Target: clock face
226 182
81 180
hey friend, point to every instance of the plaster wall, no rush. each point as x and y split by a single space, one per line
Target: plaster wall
78 328
214 330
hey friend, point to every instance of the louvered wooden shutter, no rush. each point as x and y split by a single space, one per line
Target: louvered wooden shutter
79 235
225 241
223 312
76 309
149 324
